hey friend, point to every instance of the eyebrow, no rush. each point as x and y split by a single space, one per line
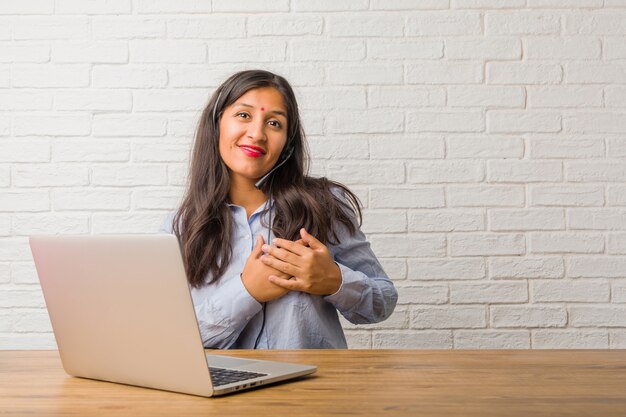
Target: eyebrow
280 112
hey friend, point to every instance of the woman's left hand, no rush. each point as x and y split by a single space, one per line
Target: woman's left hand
307 260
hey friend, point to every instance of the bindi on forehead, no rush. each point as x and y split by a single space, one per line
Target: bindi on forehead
262 108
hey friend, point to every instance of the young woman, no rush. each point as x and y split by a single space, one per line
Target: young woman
271 254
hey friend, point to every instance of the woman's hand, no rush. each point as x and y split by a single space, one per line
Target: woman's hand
255 276
307 260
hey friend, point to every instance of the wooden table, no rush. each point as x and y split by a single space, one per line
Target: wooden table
484 383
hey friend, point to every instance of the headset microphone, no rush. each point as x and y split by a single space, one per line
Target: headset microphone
288 153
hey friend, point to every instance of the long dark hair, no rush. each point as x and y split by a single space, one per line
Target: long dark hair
203 223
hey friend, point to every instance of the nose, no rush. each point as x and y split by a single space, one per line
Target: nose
256 130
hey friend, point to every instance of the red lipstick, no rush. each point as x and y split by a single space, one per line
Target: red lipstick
252 151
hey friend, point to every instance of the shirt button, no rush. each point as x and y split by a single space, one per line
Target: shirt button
247 237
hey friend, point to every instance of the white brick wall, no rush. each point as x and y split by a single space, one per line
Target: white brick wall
486 139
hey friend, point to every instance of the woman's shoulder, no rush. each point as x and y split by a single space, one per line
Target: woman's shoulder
167 225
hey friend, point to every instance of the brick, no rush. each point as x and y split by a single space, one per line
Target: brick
564 4
91 199
400 147
523 73
93 7
606 219
446 269
566 195
445 171
32 320
330 5
368 121
128 76
391 96
325 98
180 125
485 96
484 48
56 125
412 339
488 292
483 244
618 292
165 6
446 220
384 221
24 150
597 267
485 147
615 96
292 25
488 4
50 75
597 23
440 121
331 50
5 230
50 175
617 243
584 171
570 339
169 100
27 7
614 48
51 28
490 339
394 49
160 151
571 291
93 99
5 126
394 268
212 27
524 171
526 219
24 273
409 4
566 242
14 250
594 122
616 195
127 27
443 23
617 339
33 224
506 121
522 23
248 6
408 245
528 316
92 150
108 52
22 298
422 294
367 24
445 73
485 195
564 96
128 175
597 316
616 148
449 317
423 197
128 125
571 148
348 74
574 48
358 339
137 222
247 51
340 148
26 53
157 51
367 173
595 73
25 201
526 267
177 174
28 341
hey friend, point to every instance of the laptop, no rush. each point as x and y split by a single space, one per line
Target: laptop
121 311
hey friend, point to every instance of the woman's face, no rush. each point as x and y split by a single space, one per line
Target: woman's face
253 133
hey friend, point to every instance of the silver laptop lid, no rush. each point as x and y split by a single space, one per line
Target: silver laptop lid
121 310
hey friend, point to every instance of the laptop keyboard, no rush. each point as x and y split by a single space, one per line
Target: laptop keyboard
221 376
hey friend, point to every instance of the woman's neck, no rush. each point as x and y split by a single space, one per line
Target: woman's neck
243 193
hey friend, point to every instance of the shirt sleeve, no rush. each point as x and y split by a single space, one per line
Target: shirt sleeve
226 307
366 295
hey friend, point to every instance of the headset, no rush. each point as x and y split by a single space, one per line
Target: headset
284 156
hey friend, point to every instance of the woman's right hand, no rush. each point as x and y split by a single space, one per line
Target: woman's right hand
255 276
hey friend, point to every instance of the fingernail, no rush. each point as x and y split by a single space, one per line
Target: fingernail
265 247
